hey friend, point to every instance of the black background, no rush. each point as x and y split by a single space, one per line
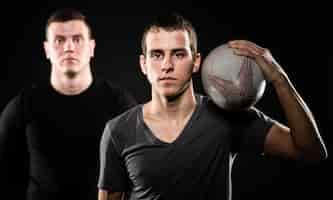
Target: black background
297 36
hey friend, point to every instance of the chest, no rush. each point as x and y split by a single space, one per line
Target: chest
164 130
54 125
198 149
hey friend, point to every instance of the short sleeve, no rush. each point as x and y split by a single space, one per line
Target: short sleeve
113 173
250 129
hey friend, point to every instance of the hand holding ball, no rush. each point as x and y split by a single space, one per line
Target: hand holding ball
233 82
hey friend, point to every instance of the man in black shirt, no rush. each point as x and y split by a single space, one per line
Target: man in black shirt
179 145
50 134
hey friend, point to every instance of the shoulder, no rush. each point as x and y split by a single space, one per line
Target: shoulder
26 93
121 129
206 102
251 114
116 92
18 106
209 108
35 90
111 86
124 121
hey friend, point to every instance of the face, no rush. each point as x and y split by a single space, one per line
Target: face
169 63
69 47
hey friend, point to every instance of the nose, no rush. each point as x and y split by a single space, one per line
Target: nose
167 64
69 45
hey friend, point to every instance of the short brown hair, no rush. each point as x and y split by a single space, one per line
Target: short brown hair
171 22
67 14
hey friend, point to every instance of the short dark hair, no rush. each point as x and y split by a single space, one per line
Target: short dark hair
67 14
171 22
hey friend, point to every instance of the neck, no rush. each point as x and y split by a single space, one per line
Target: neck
71 84
177 108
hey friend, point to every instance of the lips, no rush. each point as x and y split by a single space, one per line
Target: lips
70 58
167 78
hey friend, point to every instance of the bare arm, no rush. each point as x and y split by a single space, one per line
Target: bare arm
301 139
107 195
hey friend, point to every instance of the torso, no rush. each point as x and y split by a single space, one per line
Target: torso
194 165
167 119
167 131
63 134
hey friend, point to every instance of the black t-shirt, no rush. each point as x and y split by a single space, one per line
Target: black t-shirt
194 166
49 142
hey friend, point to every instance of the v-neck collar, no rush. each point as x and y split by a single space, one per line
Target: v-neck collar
149 133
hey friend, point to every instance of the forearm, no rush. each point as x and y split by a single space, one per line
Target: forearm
107 195
303 128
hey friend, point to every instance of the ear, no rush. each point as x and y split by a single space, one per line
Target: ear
46 49
197 62
92 47
143 64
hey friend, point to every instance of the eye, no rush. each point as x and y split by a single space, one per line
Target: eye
180 55
77 39
156 55
59 40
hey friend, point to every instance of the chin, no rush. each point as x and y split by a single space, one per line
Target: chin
171 93
71 69
71 73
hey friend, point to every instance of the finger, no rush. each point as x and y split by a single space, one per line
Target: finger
250 46
245 42
243 52
244 46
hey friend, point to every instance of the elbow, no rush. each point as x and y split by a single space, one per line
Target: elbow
314 156
323 155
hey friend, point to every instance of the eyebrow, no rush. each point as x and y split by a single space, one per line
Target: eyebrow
64 36
172 50
179 49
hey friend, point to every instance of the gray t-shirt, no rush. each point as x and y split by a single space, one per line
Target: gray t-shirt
194 166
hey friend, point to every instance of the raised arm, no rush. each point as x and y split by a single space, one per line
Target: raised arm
107 195
301 139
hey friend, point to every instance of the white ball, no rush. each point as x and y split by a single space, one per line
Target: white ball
233 82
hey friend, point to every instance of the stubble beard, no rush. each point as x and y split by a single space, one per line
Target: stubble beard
71 74
180 91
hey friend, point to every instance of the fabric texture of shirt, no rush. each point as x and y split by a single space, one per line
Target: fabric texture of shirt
196 165
49 142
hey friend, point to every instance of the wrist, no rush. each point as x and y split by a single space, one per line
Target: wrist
280 80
